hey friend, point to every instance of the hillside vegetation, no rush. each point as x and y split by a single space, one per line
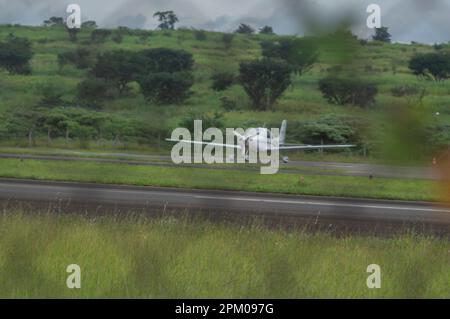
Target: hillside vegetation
382 64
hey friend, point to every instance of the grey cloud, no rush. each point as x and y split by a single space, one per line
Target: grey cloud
422 21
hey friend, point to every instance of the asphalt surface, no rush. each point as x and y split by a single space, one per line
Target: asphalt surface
360 213
292 167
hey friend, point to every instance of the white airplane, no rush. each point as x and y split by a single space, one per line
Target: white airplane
260 138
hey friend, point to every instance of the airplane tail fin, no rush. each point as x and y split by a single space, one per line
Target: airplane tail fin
283 132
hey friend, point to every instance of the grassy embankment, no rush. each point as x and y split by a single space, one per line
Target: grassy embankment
405 189
167 258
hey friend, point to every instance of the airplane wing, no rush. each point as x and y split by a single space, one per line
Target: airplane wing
310 147
204 143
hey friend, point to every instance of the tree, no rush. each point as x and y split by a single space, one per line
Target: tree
167 20
264 81
301 54
73 34
89 24
116 67
245 29
165 87
51 94
227 40
54 22
434 66
163 60
222 81
92 92
24 122
266 30
81 58
348 91
15 55
382 34
100 35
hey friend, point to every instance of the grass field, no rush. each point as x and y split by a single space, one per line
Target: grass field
173 258
405 189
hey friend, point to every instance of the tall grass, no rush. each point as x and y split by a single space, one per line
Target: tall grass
134 257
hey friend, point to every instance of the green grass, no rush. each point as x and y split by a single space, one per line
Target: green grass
346 186
133 257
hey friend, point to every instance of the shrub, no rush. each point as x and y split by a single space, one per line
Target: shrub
164 60
222 81
301 54
100 35
200 35
81 58
15 55
228 104
227 40
92 92
434 66
348 91
117 67
165 87
245 29
264 81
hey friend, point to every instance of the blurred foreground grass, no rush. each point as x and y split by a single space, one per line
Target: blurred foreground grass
133 257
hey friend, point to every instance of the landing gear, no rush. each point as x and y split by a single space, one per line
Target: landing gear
285 159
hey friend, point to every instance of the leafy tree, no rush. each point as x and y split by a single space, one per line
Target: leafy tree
266 30
24 122
245 29
81 58
433 66
51 94
73 33
117 67
301 54
227 40
92 92
117 37
348 91
164 60
200 35
382 34
100 35
222 81
167 19
54 22
165 87
89 24
15 55
264 81
325 130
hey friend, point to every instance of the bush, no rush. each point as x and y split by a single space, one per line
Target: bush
166 88
15 55
264 81
245 29
93 92
222 81
227 40
228 104
300 53
348 91
208 120
100 35
434 66
117 37
117 67
164 60
81 58
200 35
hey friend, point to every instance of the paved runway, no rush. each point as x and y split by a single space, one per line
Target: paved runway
241 204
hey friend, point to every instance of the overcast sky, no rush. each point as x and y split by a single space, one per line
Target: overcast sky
425 21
